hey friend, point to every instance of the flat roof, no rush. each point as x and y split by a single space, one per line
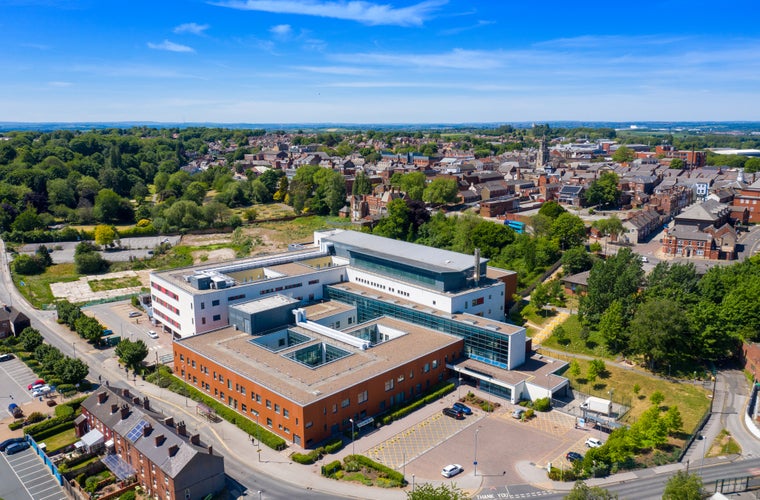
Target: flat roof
412 253
470 319
258 305
232 349
320 310
538 370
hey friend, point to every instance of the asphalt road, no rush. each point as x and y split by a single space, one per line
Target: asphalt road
139 248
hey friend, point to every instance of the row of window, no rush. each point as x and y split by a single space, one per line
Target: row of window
164 291
173 309
281 288
166 318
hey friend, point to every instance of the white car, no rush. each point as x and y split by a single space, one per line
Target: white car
593 443
41 391
152 334
451 470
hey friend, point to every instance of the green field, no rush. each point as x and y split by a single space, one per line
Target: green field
36 289
574 341
114 283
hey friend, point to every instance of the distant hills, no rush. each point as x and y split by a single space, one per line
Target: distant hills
694 126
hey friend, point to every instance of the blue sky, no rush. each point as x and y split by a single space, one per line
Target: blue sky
385 61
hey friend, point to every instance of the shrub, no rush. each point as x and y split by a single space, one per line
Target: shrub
128 495
334 446
52 431
18 424
542 404
306 458
331 468
556 474
64 411
66 388
35 417
529 413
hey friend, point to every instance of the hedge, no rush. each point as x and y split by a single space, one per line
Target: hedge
306 458
438 392
52 431
268 438
62 416
331 468
18 424
384 471
334 446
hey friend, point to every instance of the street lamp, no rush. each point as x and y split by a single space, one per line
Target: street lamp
475 462
259 494
459 388
353 440
258 436
412 482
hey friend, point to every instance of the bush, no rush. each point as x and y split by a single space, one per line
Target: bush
64 411
437 393
18 424
542 404
35 417
330 469
52 431
28 265
306 458
529 413
556 474
65 388
128 495
334 446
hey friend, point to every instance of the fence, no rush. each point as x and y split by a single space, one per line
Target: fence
45 459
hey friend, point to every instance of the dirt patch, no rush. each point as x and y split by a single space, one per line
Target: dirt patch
219 255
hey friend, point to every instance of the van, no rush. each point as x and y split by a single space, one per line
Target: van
451 412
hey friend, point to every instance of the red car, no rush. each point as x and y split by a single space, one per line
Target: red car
39 381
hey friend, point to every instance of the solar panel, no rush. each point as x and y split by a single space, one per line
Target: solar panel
136 431
119 467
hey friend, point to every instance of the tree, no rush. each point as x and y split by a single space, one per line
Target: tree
576 260
259 192
90 263
195 191
612 326
440 191
27 265
131 353
624 154
426 491
657 398
575 368
568 230
539 297
617 278
30 339
43 254
683 486
677 163
596 368
396 224
413 184
108 206
609 227
362 184
551 209
604 191
660 332
673 420
88 328
581 491
105 235
71 370
28 220
60 192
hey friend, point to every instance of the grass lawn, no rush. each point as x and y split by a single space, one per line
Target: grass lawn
573 342
302 229
724 444
61 439
114 283
691 400
36 289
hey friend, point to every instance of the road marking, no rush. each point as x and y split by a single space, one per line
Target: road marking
19 479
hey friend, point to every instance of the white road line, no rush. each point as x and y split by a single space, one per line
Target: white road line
45 487
19 479
56 485
53 496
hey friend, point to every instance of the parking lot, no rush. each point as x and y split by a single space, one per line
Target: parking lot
15 376
24 476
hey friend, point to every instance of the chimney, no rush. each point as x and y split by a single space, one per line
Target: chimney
146 430
181 429
126 394
160 440
477 266
173 449
146 403
102 396
169 421
136 401
114 408
195 439
124 412
210 450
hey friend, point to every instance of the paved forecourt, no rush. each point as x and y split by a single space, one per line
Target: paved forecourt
26 477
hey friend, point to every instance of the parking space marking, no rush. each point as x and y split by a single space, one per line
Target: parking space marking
14 473
39 493
42 487
35 476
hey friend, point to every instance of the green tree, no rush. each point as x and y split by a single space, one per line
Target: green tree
673 420
427 491
259 192
105 235
362 184
575 368
661 333
396 224
568 230
131 353
683 486
551 209
612 227
90 263
30 339
752 165
612 327
413 184
195 191
88 328
596 368
617 278
581 491
576 260
71 370
60 192
657 398
604 191
677 164
110 207
28 220
539 297
440 191
28 265
43 254
624 154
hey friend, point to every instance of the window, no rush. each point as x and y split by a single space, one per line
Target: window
276 408
435 363
242 390
182 357
335 408
400 378
193 363
389 385
203 321
308 425
243 408
221 378
362 397
229 384
203 305
216 317
269 404
214 303
345 403
269 422
285 413
426 368
221 396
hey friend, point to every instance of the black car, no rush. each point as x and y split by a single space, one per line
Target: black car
451 412
573 456
10 441
6 357
16 447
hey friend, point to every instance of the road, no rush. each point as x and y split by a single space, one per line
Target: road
241 471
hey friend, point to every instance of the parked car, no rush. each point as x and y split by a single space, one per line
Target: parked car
6 357
593 443
41 391
451 412
451 470
135 314
462 407
152 334
9 442
573 456
16 447
15 410
518 413
37 383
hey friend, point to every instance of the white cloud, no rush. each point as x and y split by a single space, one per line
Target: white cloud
192 28
460 29
455 59
59 84
170 46
355 10
281 30
337 70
